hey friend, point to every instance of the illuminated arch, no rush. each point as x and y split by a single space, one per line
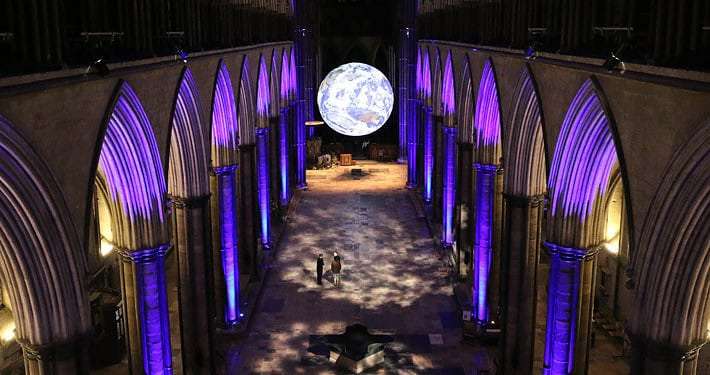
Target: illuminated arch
583 163
426 78
225 130
486 122
246 108
129 164
285 85
40 263
466 105
672 263
448 92
437 77
188 162
275 83
263 92
525 160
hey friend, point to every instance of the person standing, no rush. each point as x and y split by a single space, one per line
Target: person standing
319 269
335 268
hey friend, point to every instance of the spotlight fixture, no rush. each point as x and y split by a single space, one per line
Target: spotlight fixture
180 54
98 67
614 63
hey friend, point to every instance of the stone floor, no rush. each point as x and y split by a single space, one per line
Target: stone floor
394 282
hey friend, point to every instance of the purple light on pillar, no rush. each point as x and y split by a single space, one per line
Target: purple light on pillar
285 90
487 117
483 246
428 154
152 308
263 92
284 162
229 242
563 304
225 127
300 126
419 73
426 77
448 91
447 217
263 184
584 157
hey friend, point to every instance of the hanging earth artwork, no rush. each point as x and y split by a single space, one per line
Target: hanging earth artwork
355 99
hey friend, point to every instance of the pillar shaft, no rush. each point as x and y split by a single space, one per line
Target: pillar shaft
226 262
464 191
412 140
191 238
263 185
520 257
146 309
284 162
428 151
652 358
569 309
483 243
302 36
449 189
438 167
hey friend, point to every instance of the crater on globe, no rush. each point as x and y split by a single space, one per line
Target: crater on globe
355 99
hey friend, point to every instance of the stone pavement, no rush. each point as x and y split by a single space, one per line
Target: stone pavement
393 282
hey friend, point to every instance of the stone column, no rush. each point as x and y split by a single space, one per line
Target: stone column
225 238
438 166
263 185
569 309
274 161
249 229
406 67
649 357
464 191
449 188
412 140
519 261
59 357
284 160
482 270
146 310
302 36
191 238
428 193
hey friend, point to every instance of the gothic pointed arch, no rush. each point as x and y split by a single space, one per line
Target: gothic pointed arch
487 123
585 159
188 161
246 106
225 128
285 78
275 83
129 164
426 85
525 159
40 262
437 83
467 104
672 262
263 93
448 92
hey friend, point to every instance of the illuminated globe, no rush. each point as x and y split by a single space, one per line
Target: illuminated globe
355 99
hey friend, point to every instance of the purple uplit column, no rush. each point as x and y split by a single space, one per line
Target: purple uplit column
483 241
413 108
302 36
284 163
228 229
449 203
569 307
152 307
264 184
428 154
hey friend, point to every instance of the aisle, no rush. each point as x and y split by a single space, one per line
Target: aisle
393 281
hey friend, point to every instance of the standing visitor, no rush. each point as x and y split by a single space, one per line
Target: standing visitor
335 267
319 269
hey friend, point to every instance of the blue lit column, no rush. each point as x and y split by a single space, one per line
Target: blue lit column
449 198
284 163
228 242
483 241
413 108
302 36
144 271
428 154
263 185
569 309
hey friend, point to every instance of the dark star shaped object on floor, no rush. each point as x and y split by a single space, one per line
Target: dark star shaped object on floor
355 350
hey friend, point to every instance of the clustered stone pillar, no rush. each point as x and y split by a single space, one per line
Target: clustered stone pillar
412 144
58 357
569 309
191 231
449 186
284 162
302 35
226 261
649 357
428 152
520 257
484 291
263 185
464 213
146 310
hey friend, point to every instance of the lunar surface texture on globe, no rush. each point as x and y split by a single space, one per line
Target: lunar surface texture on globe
355 99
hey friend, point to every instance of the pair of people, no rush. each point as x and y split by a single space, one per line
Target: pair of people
335 268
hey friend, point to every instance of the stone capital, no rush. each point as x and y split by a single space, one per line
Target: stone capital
191 202
226 169
142 256
571 253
